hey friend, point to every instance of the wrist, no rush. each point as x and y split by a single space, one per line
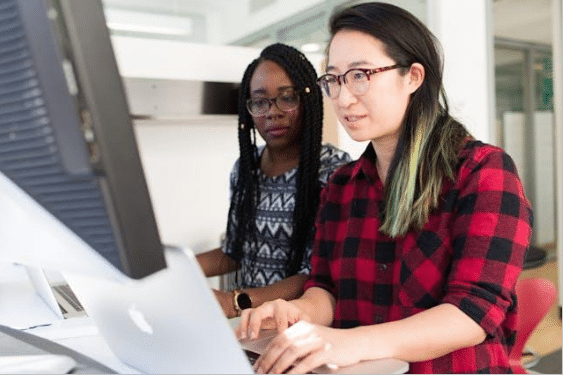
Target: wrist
229 302
373 342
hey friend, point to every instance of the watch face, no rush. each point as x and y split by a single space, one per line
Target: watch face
244 301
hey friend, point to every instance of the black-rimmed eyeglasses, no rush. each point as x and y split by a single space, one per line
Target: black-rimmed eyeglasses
287 101
357 80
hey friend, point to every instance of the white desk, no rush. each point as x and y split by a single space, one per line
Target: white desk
21 308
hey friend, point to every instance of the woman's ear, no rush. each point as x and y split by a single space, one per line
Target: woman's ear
416 76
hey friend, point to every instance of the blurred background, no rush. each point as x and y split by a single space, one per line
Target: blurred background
503 75
523 57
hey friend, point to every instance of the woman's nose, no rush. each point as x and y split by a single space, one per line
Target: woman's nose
345 97
273 110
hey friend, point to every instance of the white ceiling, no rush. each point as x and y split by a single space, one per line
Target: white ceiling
166 6
527 20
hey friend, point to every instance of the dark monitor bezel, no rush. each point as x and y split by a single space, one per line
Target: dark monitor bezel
93 128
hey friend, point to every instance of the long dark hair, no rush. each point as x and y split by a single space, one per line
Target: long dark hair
430 138
241 223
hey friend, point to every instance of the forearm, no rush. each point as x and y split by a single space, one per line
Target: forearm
318 304
424 336
216 262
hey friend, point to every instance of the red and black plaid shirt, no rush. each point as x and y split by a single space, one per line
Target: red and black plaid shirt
469 254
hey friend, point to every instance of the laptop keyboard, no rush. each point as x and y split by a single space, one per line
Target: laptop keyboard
69 296
252 356
67 301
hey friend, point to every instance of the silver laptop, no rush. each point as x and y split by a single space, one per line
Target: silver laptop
170 322
55 292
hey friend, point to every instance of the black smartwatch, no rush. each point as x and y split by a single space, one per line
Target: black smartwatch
241 301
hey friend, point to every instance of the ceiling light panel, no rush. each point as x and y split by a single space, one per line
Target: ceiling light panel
133 22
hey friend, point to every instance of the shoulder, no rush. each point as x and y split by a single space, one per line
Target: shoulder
476 155
235 170
330 153
331 158
487 168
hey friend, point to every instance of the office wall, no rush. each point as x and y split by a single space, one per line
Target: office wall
187 166
167 59
465 31
187 159
187 162
542 170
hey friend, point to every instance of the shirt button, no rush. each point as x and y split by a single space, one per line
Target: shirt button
383 267
378 319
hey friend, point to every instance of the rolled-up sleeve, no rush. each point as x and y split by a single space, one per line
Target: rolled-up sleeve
491 233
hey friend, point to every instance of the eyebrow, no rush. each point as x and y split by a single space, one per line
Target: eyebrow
352 65
262 90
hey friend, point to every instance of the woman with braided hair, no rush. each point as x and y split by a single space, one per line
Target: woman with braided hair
275 188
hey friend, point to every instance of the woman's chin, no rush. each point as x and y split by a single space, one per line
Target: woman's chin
357 136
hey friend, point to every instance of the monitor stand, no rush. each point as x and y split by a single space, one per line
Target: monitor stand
15 342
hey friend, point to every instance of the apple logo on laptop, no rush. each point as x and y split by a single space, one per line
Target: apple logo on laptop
139 319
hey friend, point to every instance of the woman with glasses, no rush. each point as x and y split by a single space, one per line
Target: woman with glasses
274 188
420 242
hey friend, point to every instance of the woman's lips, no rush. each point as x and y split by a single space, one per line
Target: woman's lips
277 131
353 118
351 121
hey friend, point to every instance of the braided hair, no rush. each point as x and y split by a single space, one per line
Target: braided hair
241 221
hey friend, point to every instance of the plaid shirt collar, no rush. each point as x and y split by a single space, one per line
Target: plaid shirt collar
365 167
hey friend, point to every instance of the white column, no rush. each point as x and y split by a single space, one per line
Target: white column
465 30
557 15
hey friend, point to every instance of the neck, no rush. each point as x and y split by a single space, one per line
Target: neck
385 150
275 162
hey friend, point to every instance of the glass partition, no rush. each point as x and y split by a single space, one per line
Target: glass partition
525 124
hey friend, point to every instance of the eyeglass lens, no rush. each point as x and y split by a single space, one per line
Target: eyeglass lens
356 80
287 101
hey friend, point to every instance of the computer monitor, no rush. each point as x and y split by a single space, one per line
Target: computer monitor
73 195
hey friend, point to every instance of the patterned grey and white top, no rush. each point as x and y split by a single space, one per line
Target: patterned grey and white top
274 221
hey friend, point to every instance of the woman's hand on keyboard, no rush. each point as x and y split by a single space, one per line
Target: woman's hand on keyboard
278 314
305 346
